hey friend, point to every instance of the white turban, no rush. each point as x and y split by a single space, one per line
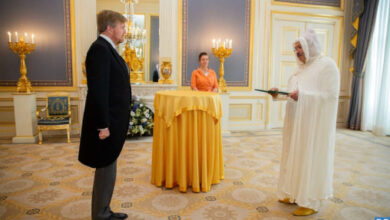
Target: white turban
310 44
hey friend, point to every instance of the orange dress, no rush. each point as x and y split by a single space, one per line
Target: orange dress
202 82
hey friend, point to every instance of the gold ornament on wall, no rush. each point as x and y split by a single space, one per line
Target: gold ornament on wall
22 46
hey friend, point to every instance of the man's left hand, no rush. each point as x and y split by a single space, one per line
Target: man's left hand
294 95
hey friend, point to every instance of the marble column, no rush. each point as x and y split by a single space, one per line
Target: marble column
168 34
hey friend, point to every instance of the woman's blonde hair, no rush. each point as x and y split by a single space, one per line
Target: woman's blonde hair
108 18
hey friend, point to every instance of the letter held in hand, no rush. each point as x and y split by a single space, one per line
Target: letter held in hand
272 92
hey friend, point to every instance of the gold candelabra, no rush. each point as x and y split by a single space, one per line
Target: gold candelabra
22 47
135 64
132 54
222 50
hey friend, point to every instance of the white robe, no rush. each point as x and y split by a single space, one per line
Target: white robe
306 171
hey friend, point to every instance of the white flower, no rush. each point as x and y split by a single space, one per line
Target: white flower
140 105
132 113
131 123
146 115
143 120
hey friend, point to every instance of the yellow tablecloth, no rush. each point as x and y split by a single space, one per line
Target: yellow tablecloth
187 142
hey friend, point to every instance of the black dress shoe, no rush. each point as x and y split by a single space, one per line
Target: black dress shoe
118 215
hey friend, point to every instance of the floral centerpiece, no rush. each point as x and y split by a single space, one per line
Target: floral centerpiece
141 119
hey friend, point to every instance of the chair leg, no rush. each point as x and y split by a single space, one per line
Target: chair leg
68 133
39 136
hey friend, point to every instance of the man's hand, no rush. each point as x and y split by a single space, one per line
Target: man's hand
104 133
274 95
294 95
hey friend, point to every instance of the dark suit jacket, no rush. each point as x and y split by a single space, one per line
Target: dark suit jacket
107 105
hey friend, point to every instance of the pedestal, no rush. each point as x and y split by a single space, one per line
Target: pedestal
225 116
25 118
146 91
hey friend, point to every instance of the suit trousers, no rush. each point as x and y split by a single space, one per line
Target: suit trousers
103 187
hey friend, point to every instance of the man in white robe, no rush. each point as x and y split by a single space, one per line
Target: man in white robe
306 171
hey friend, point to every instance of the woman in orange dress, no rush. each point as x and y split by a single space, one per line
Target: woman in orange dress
204 78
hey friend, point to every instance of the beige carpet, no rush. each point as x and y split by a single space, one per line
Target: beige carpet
47 182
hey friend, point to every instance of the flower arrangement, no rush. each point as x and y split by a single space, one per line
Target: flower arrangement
141 119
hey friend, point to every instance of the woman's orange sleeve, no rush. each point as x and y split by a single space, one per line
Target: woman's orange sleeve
193 80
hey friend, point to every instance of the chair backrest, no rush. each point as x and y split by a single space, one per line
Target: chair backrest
58 105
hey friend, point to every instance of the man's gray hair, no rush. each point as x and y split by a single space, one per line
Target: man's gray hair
109 18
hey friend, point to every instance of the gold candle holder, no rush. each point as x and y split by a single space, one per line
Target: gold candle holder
222 51
135 65
22 48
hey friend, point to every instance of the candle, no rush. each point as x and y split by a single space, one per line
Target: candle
230 43
25 37
32 38
9 36
213 43
16 34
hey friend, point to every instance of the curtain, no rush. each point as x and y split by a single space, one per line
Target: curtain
376 95
357 10
366 22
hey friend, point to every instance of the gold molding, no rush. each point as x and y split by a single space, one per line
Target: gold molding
7 124
6 99
149 44
282 73
261 110
341 8
339 18
288 29
6 108
241 106
340 42
37 99
71 99
179 52
272 13
74 62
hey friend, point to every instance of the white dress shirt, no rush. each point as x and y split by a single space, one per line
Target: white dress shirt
109 41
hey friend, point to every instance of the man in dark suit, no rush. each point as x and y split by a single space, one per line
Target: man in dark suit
107 111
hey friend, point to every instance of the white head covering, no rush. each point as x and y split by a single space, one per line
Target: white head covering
310 45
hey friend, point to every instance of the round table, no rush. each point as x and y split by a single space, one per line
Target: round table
187 141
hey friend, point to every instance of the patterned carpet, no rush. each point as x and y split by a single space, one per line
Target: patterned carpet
47 182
